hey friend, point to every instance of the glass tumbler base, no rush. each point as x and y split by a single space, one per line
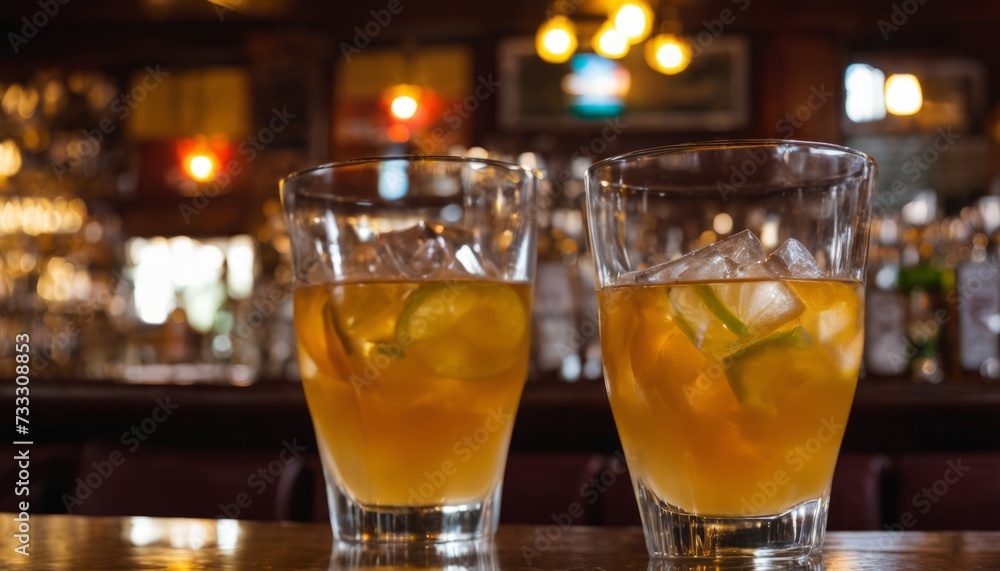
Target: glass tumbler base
355 522
671 532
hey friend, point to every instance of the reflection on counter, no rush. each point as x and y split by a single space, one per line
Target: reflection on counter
221 534
471 556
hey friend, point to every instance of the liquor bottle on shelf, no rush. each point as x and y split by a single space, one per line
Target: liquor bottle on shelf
885 320
573 207
977 299
926 285
565 339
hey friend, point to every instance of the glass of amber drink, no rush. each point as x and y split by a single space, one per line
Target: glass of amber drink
412 314
732 314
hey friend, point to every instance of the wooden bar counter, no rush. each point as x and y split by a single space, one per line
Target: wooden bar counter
141 543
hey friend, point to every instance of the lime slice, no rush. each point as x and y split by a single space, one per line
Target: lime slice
721 312
737 375
684 326
496 323
320 339
706 318
464 330
431 310
333 330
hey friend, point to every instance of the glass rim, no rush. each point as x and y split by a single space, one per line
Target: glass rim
460 159
720 144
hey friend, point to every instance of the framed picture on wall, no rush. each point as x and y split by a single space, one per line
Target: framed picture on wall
712 94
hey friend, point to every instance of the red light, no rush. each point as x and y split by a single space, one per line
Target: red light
403 101
398 133
200 166
202 159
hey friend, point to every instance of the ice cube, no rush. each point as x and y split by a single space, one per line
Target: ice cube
725 312
468 261
418 251
793 260
439 252
738 256
349 256
722 318
763 306
469 258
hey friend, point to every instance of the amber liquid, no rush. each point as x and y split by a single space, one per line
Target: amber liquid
726 406
413 386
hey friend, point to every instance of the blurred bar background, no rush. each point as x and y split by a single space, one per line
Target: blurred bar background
142 244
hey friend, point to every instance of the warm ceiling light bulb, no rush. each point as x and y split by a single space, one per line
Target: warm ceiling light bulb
10 158
609 42
200 167
555 40
403 106
903 95
634 19
668 54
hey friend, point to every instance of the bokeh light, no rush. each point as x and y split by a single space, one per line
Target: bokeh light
903 95
556 40
610 43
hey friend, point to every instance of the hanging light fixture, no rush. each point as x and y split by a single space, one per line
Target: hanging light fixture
669 52
629 22
634 19
609 42
555 40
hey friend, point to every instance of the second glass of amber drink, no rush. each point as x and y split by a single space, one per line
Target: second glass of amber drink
732 311
412 313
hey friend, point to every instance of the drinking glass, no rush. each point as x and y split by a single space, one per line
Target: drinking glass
732 312
413 279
